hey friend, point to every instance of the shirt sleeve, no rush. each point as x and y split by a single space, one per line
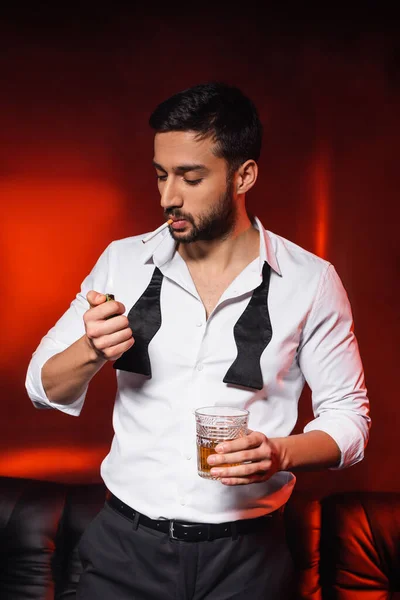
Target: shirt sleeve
68 329
330 361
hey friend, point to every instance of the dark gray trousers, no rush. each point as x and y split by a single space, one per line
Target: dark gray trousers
124 563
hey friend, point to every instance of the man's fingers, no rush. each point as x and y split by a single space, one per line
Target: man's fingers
242 470
98 328
253 455
243 480
115 352
95 298
249 459
104 310
252 440
113 339
110 338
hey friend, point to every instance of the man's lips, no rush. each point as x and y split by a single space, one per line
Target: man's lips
178 223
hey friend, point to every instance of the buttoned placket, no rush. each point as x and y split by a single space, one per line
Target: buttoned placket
177 271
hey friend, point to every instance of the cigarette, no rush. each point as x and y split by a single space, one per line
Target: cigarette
156 231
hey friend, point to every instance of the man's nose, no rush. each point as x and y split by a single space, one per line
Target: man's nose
170 195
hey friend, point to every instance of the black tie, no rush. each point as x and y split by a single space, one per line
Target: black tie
252 333
144 320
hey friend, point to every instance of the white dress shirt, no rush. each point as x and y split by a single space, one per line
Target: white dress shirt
152 465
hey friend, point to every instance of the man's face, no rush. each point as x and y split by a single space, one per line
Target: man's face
194 186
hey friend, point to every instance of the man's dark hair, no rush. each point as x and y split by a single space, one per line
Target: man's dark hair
218 111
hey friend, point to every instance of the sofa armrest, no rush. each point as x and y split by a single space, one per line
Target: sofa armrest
360 546
303 531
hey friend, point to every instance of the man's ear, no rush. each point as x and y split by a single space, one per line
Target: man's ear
246 176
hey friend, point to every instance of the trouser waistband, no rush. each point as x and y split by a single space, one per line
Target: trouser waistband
194 532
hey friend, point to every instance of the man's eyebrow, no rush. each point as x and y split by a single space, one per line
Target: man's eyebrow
190 167
182 168
159 167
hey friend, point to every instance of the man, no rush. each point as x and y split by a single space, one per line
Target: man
219 312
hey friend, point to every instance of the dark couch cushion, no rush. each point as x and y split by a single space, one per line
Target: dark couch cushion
360 550
30 512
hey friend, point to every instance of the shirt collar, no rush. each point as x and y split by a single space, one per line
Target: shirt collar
162 249
267 252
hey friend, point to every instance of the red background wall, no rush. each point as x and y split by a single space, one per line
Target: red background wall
75 173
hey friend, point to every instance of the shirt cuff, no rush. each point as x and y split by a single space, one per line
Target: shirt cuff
37 394
346 433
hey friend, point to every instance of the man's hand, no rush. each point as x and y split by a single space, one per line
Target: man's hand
108 338
255 449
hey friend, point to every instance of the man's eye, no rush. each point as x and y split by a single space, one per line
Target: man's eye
162 177
193 181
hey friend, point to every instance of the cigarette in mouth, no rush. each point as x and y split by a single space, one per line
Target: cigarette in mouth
156 231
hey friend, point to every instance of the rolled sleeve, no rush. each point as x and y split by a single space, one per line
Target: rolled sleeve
330 361
34 385
68 329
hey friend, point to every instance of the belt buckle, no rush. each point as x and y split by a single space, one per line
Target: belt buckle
171 531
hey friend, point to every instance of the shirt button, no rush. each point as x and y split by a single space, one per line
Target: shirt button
183 501
199 324
200 367
188 456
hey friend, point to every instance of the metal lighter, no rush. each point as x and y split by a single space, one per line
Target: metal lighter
108 298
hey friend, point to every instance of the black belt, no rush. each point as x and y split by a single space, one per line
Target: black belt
193 532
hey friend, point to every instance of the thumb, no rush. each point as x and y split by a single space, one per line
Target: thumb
95 298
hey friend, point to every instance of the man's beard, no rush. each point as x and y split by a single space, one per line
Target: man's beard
217 224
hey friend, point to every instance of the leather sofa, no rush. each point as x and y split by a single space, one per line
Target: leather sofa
345 546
